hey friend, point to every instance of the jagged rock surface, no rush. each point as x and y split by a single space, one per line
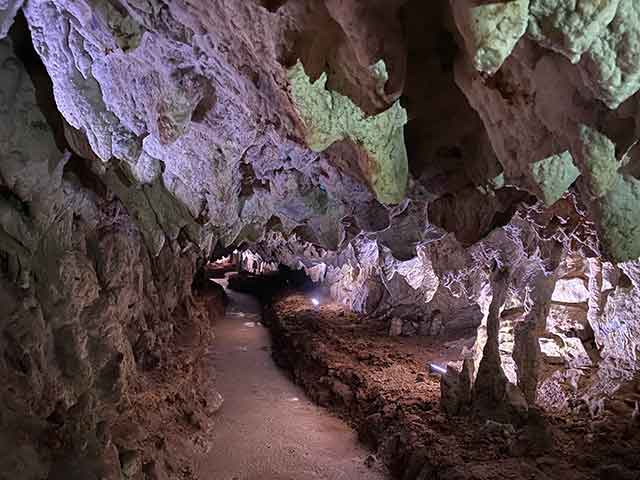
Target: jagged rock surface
196 134
87 310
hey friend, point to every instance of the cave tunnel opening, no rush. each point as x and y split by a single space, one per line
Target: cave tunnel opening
216 265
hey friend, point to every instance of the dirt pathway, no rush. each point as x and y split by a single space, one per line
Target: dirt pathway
267 429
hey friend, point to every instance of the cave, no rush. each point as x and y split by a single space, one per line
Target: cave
319 239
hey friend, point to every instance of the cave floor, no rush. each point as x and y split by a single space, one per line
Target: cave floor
382 387
267 429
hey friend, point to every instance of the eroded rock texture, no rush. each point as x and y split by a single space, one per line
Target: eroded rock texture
88 312
466 167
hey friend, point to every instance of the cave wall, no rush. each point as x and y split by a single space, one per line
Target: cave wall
401 152
89 313
563 338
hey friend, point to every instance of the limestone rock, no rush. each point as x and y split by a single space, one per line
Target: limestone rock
490 30
8 10
569 27
616 192
571 290
395 328
329 117
554 175
85 305
348 139
611 66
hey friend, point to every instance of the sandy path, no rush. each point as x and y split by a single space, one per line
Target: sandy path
267 429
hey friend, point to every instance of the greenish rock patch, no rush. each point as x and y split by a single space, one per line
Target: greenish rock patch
329 117
617 196
554 175
490 30
598 155
620 210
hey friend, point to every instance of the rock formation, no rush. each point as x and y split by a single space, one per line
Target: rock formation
463 166
88 310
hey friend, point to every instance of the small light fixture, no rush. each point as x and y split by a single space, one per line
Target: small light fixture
437 369
315 302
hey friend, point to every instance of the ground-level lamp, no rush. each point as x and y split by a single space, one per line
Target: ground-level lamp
437 369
